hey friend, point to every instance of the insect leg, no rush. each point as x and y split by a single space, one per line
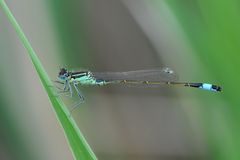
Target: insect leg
80 95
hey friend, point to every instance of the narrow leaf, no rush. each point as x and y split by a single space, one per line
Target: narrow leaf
78 144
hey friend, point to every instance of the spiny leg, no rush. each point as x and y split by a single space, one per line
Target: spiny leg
70 88
60 90
67 88
63 91
80 95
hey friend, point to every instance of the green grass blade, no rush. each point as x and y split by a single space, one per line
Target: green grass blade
78 144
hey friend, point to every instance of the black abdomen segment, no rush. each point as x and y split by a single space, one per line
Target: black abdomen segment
204 86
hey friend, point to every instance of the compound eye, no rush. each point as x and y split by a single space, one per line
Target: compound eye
63 71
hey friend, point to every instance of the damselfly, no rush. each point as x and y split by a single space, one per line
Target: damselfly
152 77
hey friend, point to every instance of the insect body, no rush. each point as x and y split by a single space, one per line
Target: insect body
153 77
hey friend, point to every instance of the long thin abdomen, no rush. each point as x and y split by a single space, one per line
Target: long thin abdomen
204 86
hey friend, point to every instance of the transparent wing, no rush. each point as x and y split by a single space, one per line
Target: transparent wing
162 75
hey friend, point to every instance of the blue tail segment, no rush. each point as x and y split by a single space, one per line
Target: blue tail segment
205 86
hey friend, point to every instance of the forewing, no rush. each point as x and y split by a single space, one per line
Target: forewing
162 74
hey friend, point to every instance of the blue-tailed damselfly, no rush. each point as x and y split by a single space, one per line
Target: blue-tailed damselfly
152 77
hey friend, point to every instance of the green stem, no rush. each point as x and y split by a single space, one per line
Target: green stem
78 144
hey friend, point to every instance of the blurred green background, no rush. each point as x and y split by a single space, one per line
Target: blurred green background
199 39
